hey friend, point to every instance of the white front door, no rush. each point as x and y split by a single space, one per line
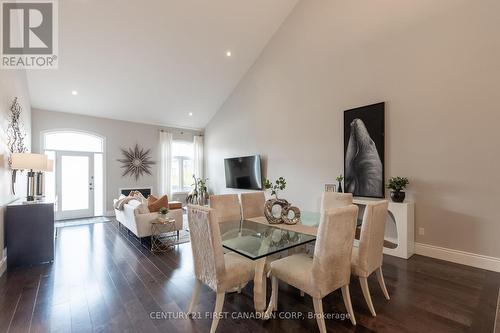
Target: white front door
74 185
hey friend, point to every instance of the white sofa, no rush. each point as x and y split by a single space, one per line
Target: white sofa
140 224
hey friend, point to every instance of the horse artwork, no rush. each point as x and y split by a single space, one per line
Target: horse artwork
364 151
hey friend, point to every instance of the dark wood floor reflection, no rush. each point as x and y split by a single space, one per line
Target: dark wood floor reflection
104 281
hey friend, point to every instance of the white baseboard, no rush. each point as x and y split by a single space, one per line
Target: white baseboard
3 265
459 257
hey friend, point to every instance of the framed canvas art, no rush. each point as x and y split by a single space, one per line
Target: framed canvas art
364 133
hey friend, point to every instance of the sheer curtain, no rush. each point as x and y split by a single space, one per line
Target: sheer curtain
165 163
198 156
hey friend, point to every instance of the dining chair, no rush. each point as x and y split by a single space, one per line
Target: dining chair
220 272
330 267
368 257
227 207
331 200
252 204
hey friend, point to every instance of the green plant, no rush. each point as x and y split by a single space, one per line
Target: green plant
202 184
279 185
397 183
340 178
163 211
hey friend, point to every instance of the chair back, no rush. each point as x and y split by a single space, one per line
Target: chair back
331 200
227 207
332 253
206 245
371 241
252 204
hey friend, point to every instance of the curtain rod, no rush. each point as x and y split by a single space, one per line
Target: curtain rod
181 132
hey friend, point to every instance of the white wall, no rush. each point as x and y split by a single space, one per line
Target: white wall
435 63
12 84
118 134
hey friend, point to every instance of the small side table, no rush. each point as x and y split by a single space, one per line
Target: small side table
162 239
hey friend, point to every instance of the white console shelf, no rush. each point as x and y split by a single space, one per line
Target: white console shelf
399 227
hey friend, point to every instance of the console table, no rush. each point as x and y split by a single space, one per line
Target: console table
29 233
399 227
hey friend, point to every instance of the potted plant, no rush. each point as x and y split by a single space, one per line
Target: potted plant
397 185
340 178
163 211
202 191
199 194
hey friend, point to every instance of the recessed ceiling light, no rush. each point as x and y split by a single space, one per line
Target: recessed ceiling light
228 53
74 93
190 114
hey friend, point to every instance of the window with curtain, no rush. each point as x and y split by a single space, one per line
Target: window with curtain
182 166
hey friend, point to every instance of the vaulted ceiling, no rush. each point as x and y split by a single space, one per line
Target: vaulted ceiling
158 61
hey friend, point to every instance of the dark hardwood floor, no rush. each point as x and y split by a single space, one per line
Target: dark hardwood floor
104 281
497 322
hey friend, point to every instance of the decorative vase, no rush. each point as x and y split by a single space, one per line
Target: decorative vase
204 199
268 210
339 189
398 196
285 215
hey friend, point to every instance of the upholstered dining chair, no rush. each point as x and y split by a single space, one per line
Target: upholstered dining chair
252 204
368 257
331 200
220 272
227 207
330 267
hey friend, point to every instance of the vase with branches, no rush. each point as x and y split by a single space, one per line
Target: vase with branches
339 179
278 185
16 136
199 193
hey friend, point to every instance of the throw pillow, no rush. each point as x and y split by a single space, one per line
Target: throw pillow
156 205
151 199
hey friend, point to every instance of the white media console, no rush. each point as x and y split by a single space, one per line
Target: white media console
399 227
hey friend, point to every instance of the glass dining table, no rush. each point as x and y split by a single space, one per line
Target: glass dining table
262 242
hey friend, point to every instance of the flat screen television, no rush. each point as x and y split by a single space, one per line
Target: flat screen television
243 172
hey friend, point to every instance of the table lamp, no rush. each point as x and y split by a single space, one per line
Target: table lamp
31 162
40 178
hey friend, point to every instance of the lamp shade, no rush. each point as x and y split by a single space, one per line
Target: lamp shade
23 161
50 166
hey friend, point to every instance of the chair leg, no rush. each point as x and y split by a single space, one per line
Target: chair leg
177 234
347 302
366 293
196 294
320 318
301 293
381 282
219 303
274 293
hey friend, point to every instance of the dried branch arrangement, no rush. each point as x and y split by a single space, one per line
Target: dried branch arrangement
16 136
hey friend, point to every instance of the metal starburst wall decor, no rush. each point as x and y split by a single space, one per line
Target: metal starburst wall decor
136 162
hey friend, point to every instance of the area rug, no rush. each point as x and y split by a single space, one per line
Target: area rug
184 233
